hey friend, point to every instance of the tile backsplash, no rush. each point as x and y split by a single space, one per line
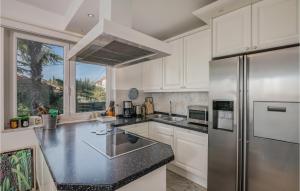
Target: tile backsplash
180 100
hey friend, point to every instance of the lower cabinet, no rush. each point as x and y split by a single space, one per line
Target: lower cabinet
190 149
139 129
161 132
43 175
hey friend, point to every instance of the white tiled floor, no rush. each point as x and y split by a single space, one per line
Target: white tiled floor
179 183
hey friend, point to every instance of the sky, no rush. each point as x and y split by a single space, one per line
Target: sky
91 71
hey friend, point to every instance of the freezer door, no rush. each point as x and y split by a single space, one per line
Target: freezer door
273 121
223 128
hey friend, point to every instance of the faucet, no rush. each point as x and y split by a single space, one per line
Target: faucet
170 111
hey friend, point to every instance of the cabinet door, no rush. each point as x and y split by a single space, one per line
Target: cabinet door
197 54
191 151
173 66
139 129
129 77
161 132
152 75
275 23
232 32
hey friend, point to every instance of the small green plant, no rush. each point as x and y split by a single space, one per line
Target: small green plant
16 170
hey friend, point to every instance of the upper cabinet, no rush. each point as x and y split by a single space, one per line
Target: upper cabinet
187 69
275 23
173 66
128 77
232 32
152 75
265 24
197 54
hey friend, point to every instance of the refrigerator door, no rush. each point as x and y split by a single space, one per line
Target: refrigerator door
273 121
223 130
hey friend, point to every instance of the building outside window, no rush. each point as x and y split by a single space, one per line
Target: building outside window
40 76
90 87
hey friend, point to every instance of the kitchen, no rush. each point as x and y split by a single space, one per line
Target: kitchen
205 107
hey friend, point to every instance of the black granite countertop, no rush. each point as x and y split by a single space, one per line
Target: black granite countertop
183 124
75 165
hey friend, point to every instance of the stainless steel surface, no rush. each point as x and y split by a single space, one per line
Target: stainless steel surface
244 118
222 146
173 119
197 108
273 164
262 151
138 110
170 111
115 45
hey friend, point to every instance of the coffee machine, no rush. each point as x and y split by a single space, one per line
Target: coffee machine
128 109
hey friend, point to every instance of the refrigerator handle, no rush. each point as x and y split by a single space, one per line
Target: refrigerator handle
245 120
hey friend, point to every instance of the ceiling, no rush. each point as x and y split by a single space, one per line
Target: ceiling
166 18
56 6
159 18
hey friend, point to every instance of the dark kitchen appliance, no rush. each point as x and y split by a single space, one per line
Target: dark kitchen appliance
117 144
128 110
253 134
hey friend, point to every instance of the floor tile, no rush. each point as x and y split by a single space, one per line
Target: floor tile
176 182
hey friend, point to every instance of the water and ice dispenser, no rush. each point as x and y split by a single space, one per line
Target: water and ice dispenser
223 115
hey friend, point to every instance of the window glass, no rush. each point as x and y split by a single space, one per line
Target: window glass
90 87
40 76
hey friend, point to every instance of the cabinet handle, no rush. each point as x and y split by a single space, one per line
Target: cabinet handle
276 109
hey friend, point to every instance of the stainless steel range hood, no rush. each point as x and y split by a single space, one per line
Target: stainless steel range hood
117 45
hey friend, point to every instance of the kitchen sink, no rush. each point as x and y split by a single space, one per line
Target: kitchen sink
173 119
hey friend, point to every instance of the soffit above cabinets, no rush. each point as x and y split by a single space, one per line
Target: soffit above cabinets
220 7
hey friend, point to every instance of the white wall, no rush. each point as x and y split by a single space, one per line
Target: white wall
16 140
1 77
19 11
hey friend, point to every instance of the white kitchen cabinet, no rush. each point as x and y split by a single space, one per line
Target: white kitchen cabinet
274 23
197 54
190 149
173 66
129 77
152 75
44 178
161 132
232 32
139 129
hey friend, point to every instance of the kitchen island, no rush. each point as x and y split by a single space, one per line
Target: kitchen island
96 156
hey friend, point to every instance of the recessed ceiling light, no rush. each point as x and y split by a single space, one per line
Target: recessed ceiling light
91 15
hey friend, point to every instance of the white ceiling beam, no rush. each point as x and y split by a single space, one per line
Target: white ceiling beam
71 12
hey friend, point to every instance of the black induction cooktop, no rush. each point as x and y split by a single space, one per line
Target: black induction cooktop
117 143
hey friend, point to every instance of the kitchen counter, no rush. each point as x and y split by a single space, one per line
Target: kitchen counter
75 165
182 124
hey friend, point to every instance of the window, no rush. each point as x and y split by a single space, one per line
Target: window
90 87
40 76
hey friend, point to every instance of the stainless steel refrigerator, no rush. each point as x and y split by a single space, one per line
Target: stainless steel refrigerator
253 134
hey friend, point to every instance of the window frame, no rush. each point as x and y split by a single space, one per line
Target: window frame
18 35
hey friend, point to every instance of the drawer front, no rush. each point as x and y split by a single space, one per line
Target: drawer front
276 120
161 128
